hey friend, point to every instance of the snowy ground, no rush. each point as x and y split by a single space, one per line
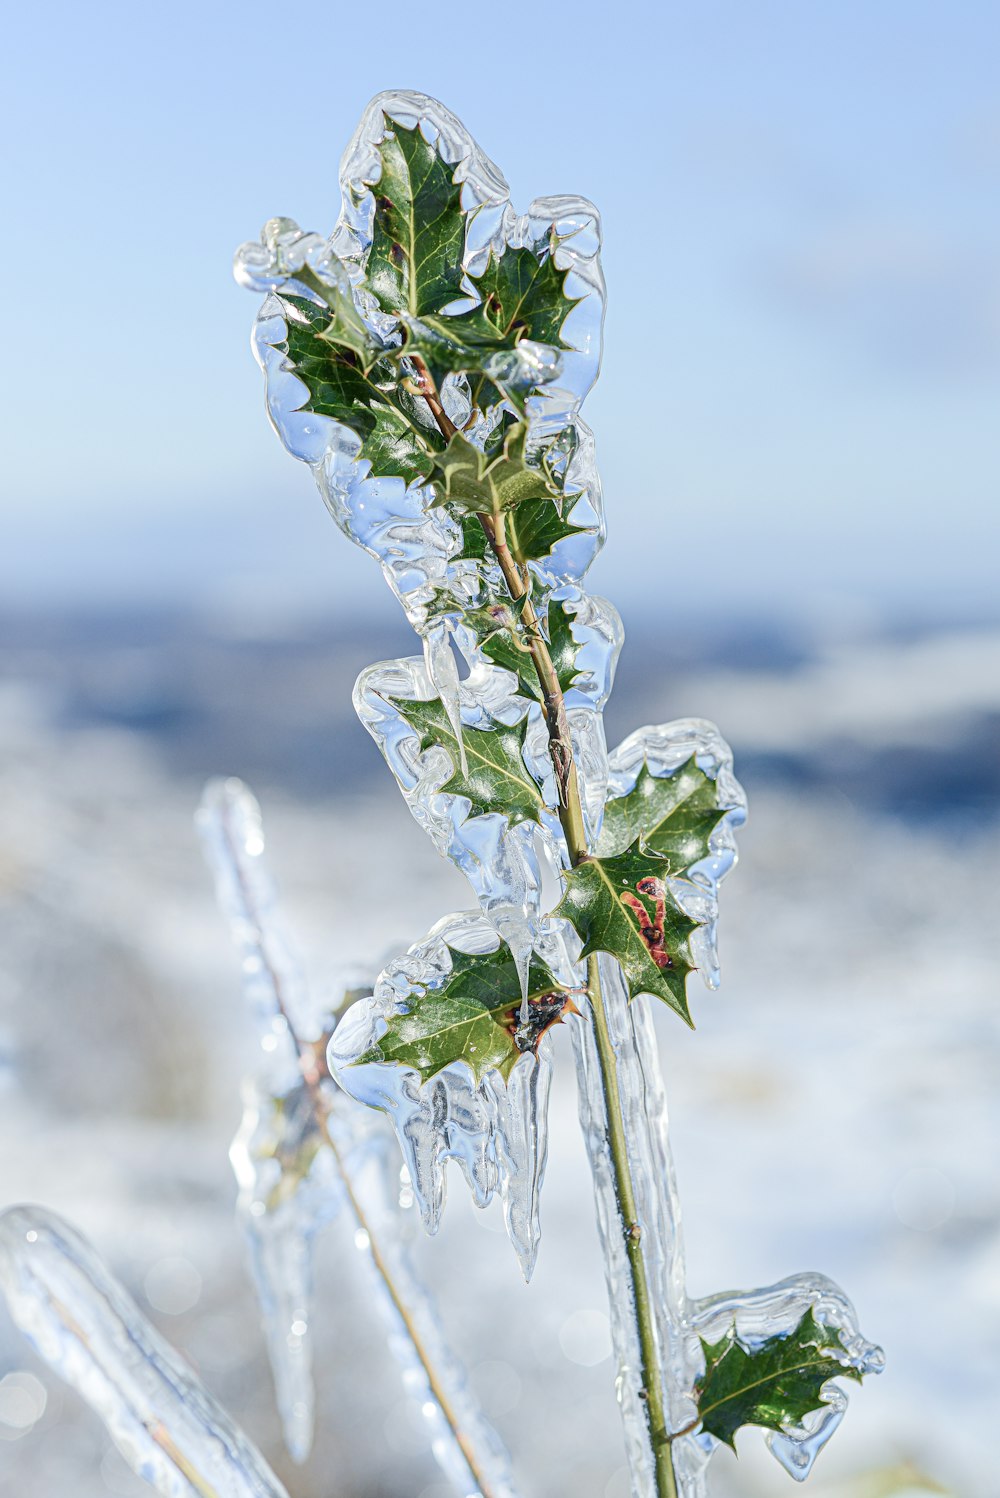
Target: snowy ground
836 1110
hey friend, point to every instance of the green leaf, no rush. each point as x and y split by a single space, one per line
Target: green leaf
524 296
673 815
345 328
623 906
392 438
466 477
533 530
502 637
448 345
776 1384
475 547
418 235
474 1017
496 777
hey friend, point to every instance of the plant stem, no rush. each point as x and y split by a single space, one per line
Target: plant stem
313 1067
518 583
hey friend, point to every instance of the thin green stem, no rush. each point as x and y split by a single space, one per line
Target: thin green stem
518 583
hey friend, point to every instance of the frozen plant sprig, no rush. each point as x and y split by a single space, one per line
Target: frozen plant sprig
429 362
302 1153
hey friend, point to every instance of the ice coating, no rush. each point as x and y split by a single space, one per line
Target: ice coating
289 1185
500 861
495 1131
281 1008
416 545
663 748
303 1150
644 1101
80 1319
774 1311
289 1189
465 1445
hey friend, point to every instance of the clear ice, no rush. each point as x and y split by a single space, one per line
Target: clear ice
495 1131
302 1151
80 1319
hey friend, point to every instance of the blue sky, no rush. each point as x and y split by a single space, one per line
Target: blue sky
799 403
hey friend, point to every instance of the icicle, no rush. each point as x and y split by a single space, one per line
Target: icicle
81 1321
288 1190
496 1131
443 671
522 1147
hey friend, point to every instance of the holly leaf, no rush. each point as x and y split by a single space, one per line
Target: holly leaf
496 779
524 296
673 815
414 264
502 636
474 1016
392 438
774 1384
533 530
622 905
448 345
475 547
345 328
488 483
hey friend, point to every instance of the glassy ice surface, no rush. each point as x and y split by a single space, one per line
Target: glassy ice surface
289 1185
304 1149
774 1311
663 748
496 1132
83 1323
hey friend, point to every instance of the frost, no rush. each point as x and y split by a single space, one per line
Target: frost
82 1322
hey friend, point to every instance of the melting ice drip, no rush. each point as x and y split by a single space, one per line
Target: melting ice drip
80 1319
497 1132
293 1179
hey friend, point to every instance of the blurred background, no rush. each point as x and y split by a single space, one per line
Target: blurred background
798 434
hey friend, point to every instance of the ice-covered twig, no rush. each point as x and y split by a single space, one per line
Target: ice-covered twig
80 1319
464 1443
462 466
